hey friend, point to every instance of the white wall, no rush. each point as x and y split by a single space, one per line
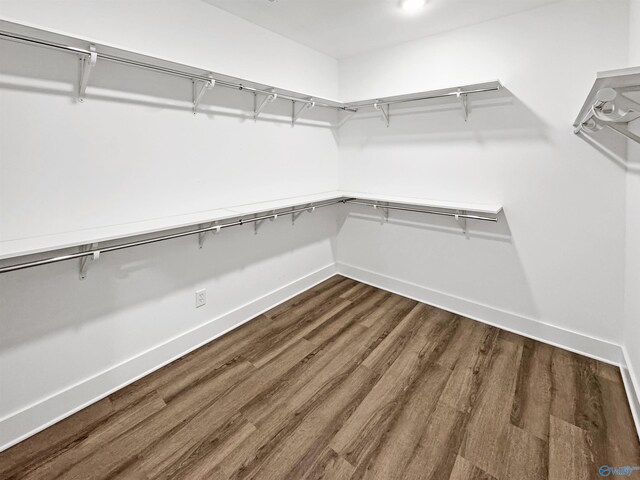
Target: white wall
632 312
186 31
134 151
557 256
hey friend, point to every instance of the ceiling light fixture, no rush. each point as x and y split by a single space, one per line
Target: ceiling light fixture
412 6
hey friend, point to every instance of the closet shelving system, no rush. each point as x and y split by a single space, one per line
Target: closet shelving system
609 103
91 243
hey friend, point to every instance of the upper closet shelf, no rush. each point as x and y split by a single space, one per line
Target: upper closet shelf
425 203
211 221
610 103
202 79
45 243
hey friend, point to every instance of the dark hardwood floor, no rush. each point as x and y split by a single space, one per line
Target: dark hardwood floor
346 381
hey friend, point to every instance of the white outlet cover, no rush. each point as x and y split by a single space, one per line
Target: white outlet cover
201 297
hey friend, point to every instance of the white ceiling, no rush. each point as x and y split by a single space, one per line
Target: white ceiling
341 28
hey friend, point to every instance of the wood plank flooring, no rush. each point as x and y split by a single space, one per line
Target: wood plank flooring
346 381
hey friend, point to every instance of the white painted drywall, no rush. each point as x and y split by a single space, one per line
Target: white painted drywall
186 31
134 151
631 341
557 257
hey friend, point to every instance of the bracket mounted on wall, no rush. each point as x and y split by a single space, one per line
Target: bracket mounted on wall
309 104
608 105
256 225
202 236
87 62
345 116
84 261
385 114
464 103
295 215
462 220
385 211
257 108
203 79
198 89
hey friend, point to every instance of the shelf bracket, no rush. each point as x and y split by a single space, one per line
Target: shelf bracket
198 89
616 127
87 63
256 225
385 114
257 108
202 236
348 115
296 114
295 215
385 211
612 106
84 261
462 221
464 103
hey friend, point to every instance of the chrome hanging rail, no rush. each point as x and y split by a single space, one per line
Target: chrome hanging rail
201 75
462 213
453 93
166 70
95 252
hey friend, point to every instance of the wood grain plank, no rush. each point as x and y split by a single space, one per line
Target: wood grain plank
31 454
532 398
363 431
191 433
308 300
296 449
569 452
201 460
429 448
352 313
470 370
485 443
465 470
329 465
527 456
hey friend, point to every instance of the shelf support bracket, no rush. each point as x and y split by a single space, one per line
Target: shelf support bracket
296 114
198 89
202 236
385 114
295 215
257 108
464 103
348 115
385 211
256 225
84 261
462 221
616 127
87 63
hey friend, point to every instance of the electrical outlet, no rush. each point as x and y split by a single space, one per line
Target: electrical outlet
201 297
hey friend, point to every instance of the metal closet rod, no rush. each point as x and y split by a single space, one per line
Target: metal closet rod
228 84
432 212
162 238
241 221
454 93
166 70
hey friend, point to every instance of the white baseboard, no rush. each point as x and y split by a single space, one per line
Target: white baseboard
632 386
566 339
37 417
